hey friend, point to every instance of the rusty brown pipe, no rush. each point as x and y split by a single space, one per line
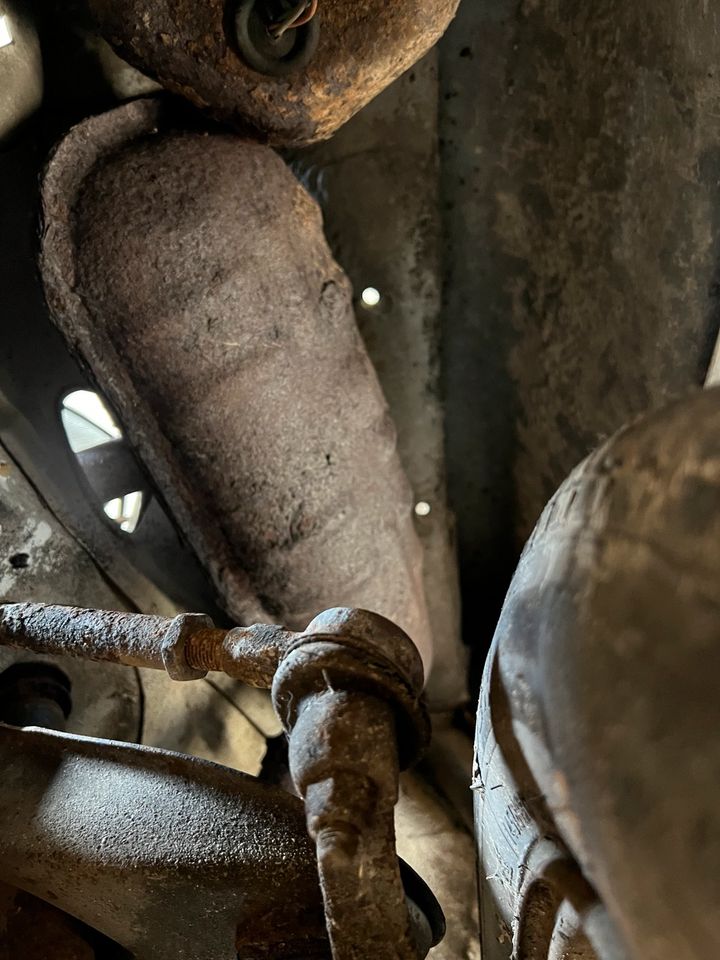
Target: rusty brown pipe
357 678
349 782
187 646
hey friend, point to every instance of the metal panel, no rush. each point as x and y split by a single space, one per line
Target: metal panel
580 174
377 183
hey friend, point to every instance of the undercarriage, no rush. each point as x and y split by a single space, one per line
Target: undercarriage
359 480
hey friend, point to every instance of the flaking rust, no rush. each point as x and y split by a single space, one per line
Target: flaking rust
190 48
349 693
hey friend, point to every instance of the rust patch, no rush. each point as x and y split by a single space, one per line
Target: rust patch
190 48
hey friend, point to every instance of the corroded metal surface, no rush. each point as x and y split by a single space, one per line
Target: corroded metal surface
111 635
40 559
190 48
170 856
349 693
611 623
191 273
187 646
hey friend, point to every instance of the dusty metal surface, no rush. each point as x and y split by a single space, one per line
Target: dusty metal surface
152 569
616 591
376 181
348 691
218 719
579 193
191 49
159 852
169 856
41 560
21 72
276 453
